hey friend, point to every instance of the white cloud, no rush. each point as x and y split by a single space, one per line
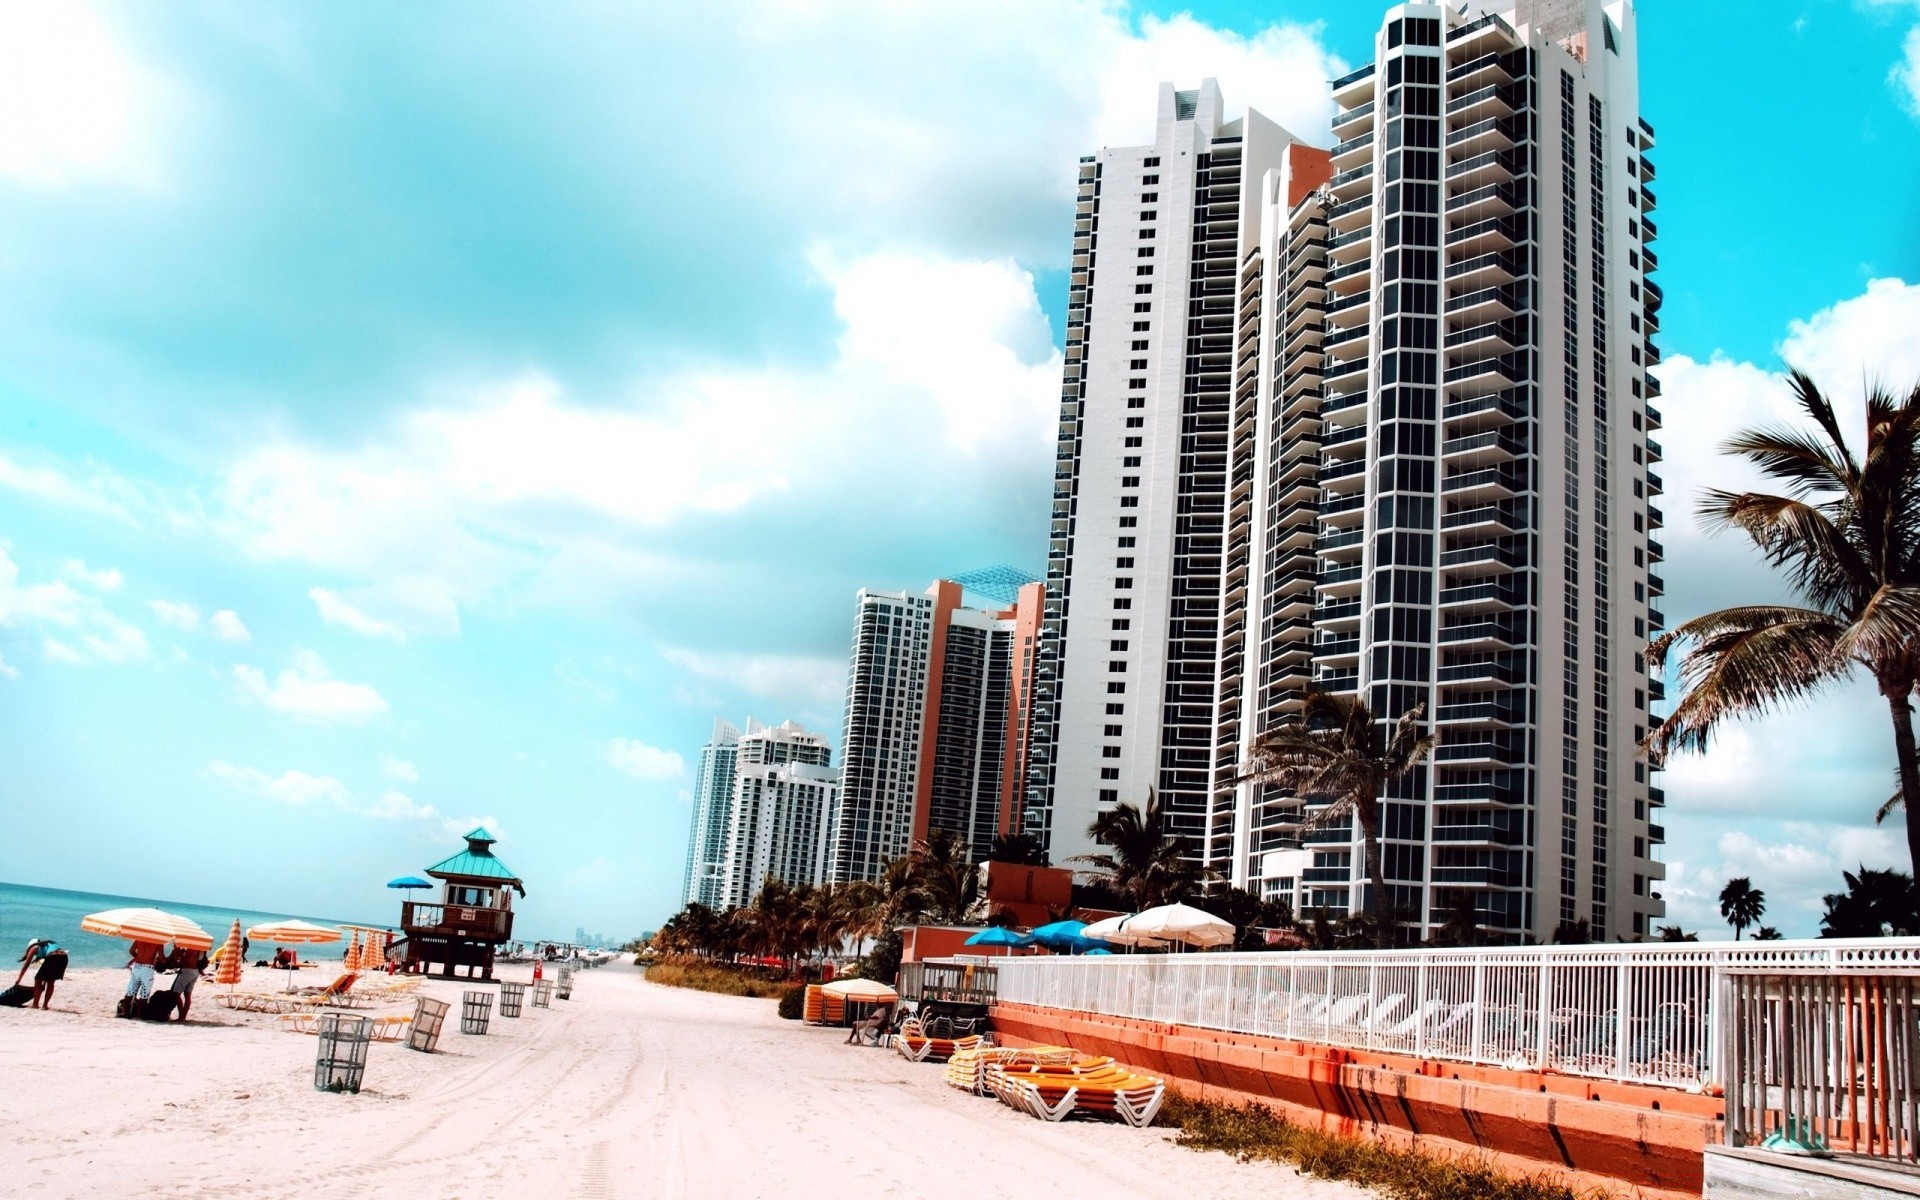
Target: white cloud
307 690
336 610
7 670
228 627
1785 798
642 761
176 614
791 678
1906 73
104 580
288 787
399 768
298 788
77 626
74 104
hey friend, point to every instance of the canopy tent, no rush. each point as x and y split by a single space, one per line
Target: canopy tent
148 925
861 991
1183 923
1118 931
293 933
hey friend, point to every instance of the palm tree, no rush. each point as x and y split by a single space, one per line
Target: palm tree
1741 904
1146 863
1022 849
1767 933
944 874
1847 537
1335 753
1875 904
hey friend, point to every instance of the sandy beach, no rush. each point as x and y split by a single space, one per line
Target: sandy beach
628 1089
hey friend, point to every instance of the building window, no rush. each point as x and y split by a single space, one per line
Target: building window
1116 686
1109 772
1109 752
1124 581
1117 645
1143 270
1129 481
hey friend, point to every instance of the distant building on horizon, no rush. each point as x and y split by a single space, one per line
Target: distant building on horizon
763 806
1377 421
939 718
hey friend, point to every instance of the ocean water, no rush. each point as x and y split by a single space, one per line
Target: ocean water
31 912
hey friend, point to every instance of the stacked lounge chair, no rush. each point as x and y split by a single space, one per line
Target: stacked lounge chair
967 1068
915 1046
1099 1086
821 1007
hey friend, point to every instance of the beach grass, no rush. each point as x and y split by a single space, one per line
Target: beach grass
718 977
1251 1132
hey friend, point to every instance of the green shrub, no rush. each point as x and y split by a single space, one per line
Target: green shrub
1251 1131
793 1002
723 978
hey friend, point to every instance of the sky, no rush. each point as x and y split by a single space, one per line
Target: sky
420 416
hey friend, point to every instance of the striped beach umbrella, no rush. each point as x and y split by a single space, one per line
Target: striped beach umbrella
375 958
352 962
293 933
148 925
230 958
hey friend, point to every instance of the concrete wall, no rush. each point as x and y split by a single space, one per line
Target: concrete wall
1584 1132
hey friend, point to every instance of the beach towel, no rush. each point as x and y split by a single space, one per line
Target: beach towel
15 996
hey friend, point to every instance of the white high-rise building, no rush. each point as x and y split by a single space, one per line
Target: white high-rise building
763 805
1128 684
938 722
1433 485
712 801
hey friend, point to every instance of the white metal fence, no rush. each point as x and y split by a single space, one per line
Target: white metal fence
1643 1013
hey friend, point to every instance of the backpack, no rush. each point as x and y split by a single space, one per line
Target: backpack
159 1006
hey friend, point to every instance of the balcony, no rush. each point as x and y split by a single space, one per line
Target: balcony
457 921
1336 612
1494 518
1338 682
1484 484
1486 270
1483 449
1337 647
1349 153
1492 133
1351 214
1353 88
1491 101
1479 412
1480 673
1492 166
1349 122
1491 200
1488 34
1492 337
1482 597
1483 375
1478 712
1484 71
1482 634
1486 236
1348 184
1479 834
1483 558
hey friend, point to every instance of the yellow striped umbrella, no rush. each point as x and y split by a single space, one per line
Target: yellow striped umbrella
148 925
375 958
229 958
355 958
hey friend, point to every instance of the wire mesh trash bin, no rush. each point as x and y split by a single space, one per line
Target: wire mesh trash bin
543 993
565 990
428 1015
476 1009
341 1061
511 996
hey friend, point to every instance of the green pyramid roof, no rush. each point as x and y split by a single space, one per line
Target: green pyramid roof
477 862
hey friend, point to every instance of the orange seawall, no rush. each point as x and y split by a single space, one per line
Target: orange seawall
1588 1133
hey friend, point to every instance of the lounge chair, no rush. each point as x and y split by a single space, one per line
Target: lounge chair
1098 1086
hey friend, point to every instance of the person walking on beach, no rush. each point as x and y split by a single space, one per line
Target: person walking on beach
189 964
140 963
53 968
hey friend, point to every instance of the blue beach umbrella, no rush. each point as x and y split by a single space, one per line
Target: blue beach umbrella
1067 935
996 936
408 881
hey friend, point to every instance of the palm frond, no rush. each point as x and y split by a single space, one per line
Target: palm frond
1741 666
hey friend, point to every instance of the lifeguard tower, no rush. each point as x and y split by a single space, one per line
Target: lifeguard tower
474 915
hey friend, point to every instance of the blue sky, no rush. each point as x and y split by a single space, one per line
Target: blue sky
412 416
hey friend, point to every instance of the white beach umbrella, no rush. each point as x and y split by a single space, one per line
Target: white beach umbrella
1119 931
1183 923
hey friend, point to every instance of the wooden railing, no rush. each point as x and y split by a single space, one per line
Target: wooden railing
949 983
1823 1060
454 920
